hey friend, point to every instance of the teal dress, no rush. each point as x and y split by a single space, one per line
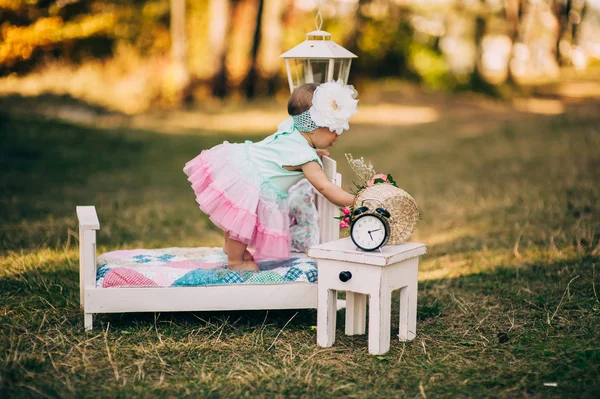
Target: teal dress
244 187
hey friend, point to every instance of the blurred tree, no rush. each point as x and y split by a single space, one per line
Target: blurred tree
241 42
178 39
232 47
34 28
513 12
252 77
381 35
178 76
268 63
218 31
356 22
569 14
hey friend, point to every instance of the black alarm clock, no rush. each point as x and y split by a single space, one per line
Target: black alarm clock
370 230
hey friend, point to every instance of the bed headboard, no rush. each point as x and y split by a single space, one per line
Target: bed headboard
328 226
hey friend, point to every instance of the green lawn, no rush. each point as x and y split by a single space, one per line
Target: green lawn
509 293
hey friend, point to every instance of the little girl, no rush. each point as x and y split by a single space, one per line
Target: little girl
243 187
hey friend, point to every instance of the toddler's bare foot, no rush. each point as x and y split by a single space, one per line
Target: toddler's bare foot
243 265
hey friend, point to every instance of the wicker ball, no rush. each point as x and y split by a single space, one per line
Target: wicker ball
404 213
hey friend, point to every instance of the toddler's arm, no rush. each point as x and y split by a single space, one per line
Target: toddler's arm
321 153
315 175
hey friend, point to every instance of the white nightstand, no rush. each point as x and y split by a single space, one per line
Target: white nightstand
344 267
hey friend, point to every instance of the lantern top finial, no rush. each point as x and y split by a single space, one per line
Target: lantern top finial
318 44
318 20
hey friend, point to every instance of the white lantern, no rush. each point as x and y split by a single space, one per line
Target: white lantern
318 59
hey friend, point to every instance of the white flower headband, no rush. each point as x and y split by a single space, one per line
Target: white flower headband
333 104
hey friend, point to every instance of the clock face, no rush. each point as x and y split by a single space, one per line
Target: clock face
369 232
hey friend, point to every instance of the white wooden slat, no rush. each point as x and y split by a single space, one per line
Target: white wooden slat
88 219
326 317
345 250
335 223
356 313
87 321
88 224
380 309
329 167
225 297
81 267
405 277
328 225
89 258
87 265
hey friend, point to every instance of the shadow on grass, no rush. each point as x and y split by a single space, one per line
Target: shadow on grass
134 178
41 101
497 333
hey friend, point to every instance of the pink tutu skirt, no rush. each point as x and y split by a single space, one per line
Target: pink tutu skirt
230 189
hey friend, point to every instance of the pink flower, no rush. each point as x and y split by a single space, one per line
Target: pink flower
377 176
347 220
344 224
346 211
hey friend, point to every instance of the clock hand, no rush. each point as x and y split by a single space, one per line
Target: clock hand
372 231
370 236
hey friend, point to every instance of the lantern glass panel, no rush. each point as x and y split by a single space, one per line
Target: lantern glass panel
298 71
339 70
319 70
344 69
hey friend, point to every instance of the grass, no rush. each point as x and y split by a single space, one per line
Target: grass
509 293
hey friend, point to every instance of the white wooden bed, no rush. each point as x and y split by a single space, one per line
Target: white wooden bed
95 300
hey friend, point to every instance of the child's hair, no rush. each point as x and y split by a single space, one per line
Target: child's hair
301 99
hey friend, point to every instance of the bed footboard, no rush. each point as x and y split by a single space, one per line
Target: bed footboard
88 224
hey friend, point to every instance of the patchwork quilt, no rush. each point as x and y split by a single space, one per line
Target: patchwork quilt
192 267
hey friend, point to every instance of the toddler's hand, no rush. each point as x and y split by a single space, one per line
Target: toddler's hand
323 153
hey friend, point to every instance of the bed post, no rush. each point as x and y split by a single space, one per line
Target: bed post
88 224
329 227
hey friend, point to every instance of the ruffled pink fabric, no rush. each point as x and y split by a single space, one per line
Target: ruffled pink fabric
237 201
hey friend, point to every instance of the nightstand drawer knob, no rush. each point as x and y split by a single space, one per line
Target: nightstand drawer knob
345 276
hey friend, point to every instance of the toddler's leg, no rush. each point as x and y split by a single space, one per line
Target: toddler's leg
235 256
247 254
225 241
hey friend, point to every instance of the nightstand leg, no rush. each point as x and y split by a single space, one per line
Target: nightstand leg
326 315
356 313
408 312
87 321
380 309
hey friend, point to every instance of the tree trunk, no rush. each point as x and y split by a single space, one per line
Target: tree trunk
513 14
564 32
478 80
356 21
269 63
253 73
178 44
241 42
219 27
